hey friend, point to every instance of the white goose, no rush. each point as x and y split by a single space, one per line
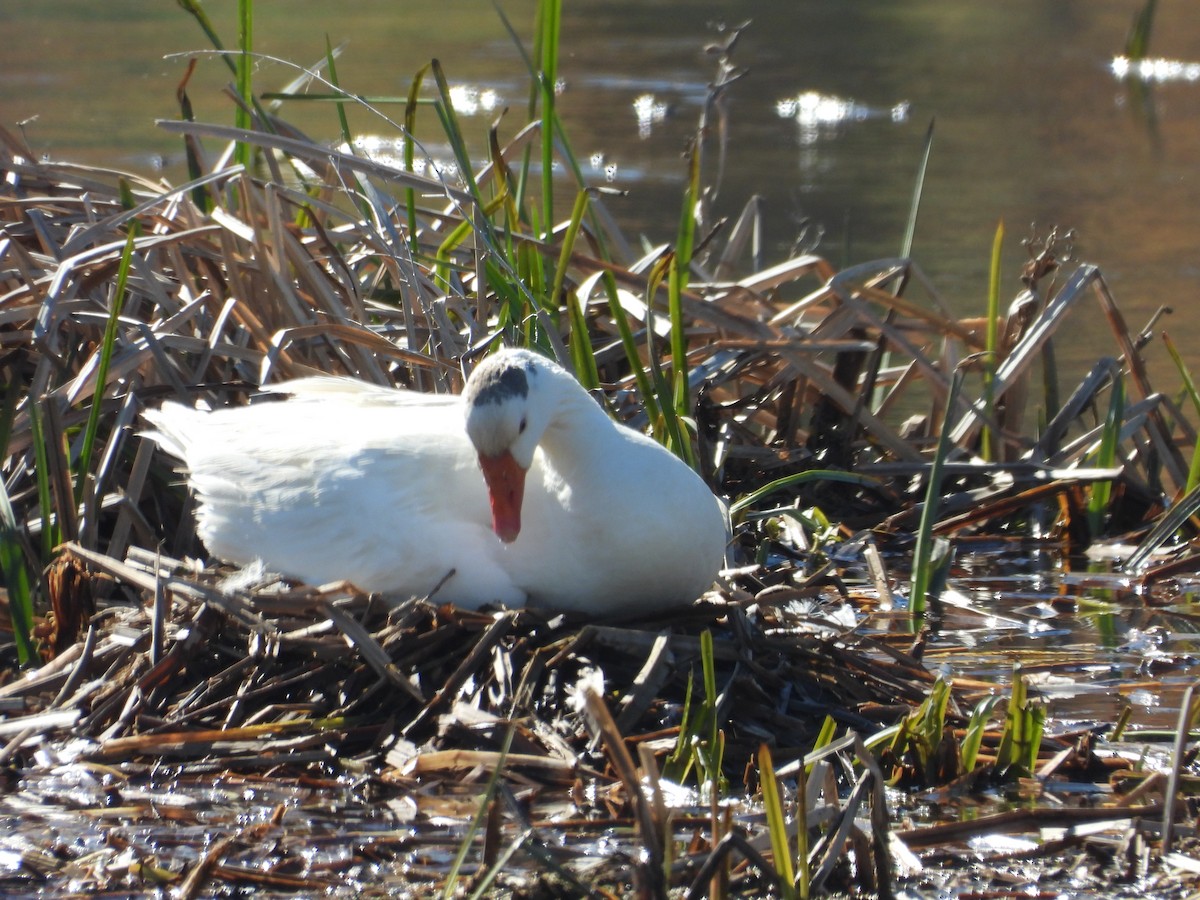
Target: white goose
383 488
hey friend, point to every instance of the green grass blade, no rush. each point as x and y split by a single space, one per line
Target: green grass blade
629 343
245 77
450 125
16 578
343 121
41 457
1023 728
1106 457
453 129
668 429
714 746
991 341
553 122
410 130
910 230
776 824
922 575
549 26
196 11
582 356
700 743
478 220
679 761
677 283
826 736
1189 386
751 499
106 351
804 870
1137 42
580 342
973 737
464 847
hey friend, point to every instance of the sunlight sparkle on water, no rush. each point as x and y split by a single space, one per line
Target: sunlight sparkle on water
650 112
471 100
1155 69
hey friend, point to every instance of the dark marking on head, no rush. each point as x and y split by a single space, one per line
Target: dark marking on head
500 383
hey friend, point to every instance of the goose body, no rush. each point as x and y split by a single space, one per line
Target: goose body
520 490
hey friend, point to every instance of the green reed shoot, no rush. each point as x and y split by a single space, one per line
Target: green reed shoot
245 76
1022 728
750 500
776 822
793 884
339 104
108 342
1189 387
548 25
454 133
669 430
910 230
667 400
196 10
921 731
582 355
976 726
701 743
41 459
991 361
1137 42
923 561
1106 457
16 577
241 64
677 283
480 817
410 130
824 738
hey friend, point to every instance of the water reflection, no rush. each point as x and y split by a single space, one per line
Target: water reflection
1032 126
1155 69
823 115
1087 643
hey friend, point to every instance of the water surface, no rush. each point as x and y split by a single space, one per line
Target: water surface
1032 127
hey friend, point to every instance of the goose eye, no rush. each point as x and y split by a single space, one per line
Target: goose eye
521 427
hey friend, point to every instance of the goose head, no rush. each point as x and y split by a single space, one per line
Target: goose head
508 411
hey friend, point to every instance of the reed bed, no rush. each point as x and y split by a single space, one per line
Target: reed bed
816 401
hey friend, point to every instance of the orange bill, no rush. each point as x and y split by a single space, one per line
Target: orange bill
506 488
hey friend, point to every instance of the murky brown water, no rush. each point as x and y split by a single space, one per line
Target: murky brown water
1089 641
1032 126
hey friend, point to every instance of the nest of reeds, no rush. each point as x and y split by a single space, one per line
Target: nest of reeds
278 675
810 389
